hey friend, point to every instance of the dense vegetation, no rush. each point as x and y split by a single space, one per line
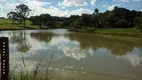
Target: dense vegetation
117 18
43 20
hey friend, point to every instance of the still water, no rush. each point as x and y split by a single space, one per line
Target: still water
77 56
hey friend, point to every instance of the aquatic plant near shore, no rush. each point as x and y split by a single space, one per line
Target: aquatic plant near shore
24 74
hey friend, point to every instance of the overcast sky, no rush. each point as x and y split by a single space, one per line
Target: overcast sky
68 7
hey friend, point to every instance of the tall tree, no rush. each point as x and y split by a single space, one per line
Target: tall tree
96 11
85 18
23 12
77 24
95 18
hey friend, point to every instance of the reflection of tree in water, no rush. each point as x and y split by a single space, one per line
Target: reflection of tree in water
42 36
21 40
117 47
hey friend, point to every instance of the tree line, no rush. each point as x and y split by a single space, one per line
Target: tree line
43 20
117 18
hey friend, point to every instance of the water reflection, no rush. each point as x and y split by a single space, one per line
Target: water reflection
91 51
117 47
21 40
134 57
42 36
76 51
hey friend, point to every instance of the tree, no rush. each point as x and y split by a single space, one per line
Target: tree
136 21
141 28
2 18
47 20
86 19
117 18
35 20
94 18
123 13
74 17
96 11
13 16
43 20
122 23
78 24
23 11
140 23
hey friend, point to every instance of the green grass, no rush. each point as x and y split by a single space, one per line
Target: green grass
133 32
121 31
6 24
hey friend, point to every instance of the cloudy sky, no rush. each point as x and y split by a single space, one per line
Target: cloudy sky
68 7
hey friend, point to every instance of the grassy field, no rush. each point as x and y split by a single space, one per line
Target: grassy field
6 24
120 31
133 32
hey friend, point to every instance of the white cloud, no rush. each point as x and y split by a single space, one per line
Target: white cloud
93 2
2 14
73 3
80 11
137 0
121 0
40 7
9 5
112 6
59 12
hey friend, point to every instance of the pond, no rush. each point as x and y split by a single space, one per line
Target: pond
77 56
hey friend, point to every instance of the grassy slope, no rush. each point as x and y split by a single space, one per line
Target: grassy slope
120 31
114 31
7 24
